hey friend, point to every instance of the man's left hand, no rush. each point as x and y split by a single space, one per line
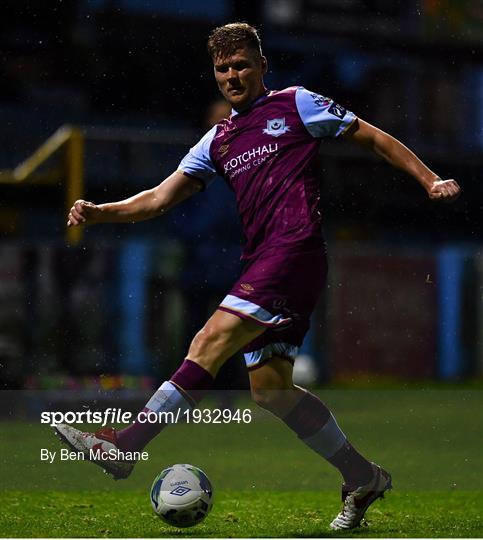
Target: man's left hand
444 190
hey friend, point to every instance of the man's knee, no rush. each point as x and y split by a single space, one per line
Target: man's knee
269 399
206 342
221 337
272 387
208 338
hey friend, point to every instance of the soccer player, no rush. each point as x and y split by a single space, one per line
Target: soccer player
266 152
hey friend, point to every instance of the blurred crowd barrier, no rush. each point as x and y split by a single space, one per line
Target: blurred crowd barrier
128 308
403 313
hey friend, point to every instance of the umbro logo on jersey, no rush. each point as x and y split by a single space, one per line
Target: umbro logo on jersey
223 149
276 127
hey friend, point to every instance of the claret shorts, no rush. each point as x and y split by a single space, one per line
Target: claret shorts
279 290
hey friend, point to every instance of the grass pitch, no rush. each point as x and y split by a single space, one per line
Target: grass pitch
266 482
238 514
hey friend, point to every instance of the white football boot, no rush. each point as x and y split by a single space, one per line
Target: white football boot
90 444
357 501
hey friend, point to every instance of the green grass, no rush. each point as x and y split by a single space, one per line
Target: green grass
238 514
266 482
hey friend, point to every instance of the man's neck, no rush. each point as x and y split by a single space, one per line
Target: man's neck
263 93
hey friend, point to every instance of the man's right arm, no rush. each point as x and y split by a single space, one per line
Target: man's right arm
145 205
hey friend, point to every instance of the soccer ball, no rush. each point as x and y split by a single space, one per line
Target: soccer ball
182 495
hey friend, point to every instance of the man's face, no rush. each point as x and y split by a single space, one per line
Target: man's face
240 77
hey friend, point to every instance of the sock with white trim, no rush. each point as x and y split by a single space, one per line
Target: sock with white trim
316 426
182 392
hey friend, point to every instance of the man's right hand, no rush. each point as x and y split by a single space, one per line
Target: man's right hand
82 213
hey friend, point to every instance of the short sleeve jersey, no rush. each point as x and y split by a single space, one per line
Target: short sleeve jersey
267 155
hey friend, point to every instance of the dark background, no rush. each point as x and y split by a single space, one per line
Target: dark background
414 69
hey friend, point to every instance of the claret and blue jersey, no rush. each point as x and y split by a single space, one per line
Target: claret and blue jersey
267 154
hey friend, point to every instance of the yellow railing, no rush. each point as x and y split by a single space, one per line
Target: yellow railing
69 139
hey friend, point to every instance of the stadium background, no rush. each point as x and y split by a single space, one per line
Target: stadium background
404 300
109 95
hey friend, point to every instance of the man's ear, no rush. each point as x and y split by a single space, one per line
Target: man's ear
264 64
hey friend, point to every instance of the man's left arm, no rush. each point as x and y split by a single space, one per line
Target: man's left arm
398 155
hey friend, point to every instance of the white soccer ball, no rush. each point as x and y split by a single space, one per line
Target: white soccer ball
182 495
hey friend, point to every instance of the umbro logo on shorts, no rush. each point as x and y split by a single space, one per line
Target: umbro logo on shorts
246 287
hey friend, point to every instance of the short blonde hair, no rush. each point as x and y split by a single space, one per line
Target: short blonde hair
226 40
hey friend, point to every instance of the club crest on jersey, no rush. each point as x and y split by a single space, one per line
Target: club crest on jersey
276 127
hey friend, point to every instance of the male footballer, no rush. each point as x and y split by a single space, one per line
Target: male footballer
266 152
